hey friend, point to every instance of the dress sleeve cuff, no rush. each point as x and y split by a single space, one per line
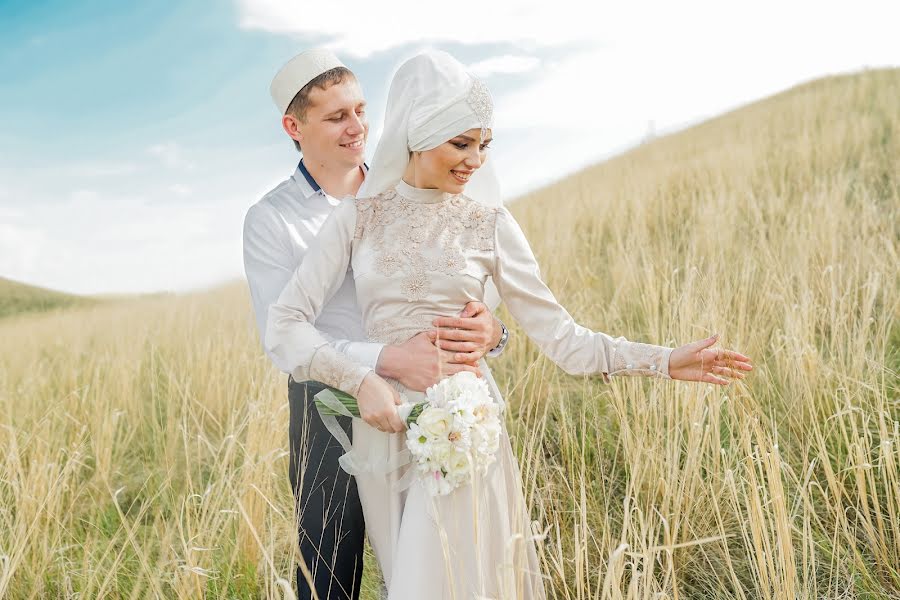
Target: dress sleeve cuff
637 359
333 368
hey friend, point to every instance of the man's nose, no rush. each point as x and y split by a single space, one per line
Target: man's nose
357 125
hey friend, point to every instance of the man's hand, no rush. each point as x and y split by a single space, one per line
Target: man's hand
418 364
378 403
469 336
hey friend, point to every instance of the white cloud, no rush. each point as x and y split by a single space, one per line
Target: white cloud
84 198
681 66
504 64
99 169
93 243
20 248
180 190
171 155
161 230
363 27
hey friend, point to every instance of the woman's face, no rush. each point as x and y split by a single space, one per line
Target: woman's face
449 166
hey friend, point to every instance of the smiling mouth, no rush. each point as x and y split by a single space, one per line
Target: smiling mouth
353 145
463 177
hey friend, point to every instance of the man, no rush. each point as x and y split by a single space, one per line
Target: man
324 113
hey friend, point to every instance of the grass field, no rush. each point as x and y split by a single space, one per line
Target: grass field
143 442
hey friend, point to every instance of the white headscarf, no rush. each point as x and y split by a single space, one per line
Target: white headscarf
432 99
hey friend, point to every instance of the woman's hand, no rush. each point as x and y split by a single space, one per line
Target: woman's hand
378 402
698 362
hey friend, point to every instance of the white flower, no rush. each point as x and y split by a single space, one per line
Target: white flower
435 395
417 441
439 450
435 422
457 464
460 435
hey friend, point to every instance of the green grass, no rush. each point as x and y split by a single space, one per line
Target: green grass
18 298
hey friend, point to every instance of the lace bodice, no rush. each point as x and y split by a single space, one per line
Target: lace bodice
417 254
413 239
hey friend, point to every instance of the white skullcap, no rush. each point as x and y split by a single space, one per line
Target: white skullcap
299 71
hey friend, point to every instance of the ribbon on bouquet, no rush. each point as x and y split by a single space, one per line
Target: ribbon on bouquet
352 461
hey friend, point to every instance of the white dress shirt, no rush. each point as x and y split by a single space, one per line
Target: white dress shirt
278 232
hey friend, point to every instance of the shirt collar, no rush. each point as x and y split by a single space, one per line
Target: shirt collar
309 178
308 184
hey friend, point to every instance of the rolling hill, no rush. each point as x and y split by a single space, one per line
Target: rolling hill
17 298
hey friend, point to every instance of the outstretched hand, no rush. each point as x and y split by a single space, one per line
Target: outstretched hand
698 361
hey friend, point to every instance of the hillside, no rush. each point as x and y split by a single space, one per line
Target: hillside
17 298
144 441
787 202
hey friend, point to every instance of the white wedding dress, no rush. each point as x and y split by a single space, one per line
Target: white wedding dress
415 255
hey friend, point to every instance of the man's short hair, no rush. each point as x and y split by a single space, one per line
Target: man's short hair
301 102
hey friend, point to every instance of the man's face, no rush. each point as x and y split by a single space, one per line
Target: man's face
336 126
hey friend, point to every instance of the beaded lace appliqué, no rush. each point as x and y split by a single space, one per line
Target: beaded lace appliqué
481 103
415 240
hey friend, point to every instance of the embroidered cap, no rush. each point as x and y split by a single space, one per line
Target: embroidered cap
299 71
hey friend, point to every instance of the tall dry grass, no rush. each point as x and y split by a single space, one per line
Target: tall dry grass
143 444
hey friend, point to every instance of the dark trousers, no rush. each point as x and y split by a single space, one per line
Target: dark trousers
330 517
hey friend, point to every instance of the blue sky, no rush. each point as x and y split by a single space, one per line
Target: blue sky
133 136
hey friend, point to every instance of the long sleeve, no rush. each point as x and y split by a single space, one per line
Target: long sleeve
291 339
268 265
576 349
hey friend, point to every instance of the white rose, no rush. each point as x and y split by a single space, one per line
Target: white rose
457 463
438 450
435 422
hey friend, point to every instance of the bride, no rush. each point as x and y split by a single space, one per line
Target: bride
430 236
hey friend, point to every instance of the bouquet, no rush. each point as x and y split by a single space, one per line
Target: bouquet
452 436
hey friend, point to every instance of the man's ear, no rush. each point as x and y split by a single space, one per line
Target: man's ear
291 126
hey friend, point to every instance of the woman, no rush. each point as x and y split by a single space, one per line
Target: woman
429 238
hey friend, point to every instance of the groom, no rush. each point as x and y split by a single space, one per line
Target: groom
324 113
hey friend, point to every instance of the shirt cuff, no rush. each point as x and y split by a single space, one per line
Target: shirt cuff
364 353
